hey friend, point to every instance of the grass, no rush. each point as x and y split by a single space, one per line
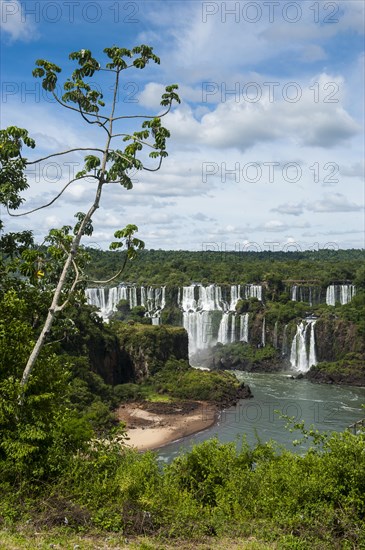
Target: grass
67 540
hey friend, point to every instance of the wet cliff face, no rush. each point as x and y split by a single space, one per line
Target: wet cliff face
144 349
335 338
107 360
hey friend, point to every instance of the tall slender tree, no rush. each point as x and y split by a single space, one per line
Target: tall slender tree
120 154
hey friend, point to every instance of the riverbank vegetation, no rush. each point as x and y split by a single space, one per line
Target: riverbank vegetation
216 491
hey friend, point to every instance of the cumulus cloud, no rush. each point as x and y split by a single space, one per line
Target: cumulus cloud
298 117
14 23
334 202
331 202
312 53
273 226
355 170
199 216
289 208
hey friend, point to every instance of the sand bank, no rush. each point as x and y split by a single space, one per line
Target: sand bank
152 425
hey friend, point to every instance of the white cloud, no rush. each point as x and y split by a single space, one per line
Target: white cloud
356 170
241 123
15 23
313 52
289 208
333 202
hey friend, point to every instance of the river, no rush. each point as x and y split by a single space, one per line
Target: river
327 407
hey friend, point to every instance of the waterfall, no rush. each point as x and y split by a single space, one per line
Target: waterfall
263 335
284 342
96 297
330 295
199 328
244 327
340 293
235 296
210 298
106 300
154 303
233 328
301 359
223 329
188 301
347 292
294 293
143 296
275 335
253 291
133 302
312 346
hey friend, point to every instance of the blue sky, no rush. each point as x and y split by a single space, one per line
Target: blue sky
267 145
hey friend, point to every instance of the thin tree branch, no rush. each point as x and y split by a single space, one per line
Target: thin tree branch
74 108
52 201
65 153
136 139
76 281
144 116
143 167
153 169
114 276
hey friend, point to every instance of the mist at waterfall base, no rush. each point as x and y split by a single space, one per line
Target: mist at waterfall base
327 407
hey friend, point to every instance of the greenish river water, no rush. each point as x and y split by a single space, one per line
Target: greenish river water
327 407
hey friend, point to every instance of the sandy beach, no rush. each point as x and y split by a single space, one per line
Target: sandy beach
152 425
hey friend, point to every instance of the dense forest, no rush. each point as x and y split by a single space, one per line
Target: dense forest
183 267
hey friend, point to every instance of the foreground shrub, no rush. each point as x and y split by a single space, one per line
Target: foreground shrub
315 500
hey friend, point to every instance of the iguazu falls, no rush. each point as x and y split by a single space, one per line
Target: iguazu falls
208 313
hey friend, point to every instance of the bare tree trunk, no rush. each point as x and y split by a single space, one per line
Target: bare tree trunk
55 307
48 323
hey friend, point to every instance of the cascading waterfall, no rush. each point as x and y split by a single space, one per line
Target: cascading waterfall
133 297
198 325
312 360
155 303
253 291
97 297
340 293
330 296
314 295
197 302
143 296
244 328
275 335
347 292
284 345
235 296
233 328
302 356
107 299
294 293
263 333
223 329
